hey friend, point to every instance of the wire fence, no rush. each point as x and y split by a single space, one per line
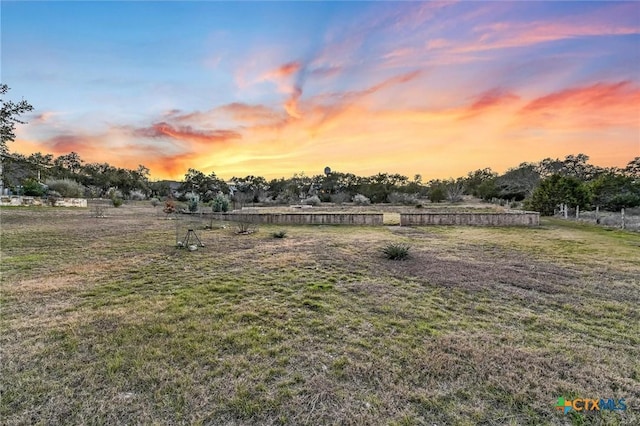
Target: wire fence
628 219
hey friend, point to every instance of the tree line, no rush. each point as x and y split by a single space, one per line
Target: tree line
541 186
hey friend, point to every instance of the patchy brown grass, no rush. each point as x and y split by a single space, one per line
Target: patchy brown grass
105 321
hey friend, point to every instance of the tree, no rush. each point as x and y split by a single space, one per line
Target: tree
249 189
633 169
205 186
69 164
437 191
614 191
518 183
476 179
454 190
220 203
558 189
41 163
9 114
380 186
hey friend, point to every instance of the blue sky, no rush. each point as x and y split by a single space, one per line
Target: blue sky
274 88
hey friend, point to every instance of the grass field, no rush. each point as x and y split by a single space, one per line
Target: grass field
104 321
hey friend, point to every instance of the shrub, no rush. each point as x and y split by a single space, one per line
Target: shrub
419 206
169 207
117 202
361 200
137 195
396 251
114 193
314 200
155 202
193 205
340 197
32 188
279 234
52 198
66 187
402 198
220 203
246 228
92 191
437 194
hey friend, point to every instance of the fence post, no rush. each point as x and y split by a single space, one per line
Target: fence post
622 212
566 211
598 214
577 212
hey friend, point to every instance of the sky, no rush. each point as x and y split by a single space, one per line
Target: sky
277 88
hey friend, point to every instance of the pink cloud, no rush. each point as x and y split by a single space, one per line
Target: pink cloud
501 35
599 95
187 134
587 107
489 100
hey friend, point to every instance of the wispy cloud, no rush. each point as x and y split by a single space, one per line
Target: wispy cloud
598 105
188 134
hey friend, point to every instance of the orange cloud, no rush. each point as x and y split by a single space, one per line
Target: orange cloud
284 70
251 114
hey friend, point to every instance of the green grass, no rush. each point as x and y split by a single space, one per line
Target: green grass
105 321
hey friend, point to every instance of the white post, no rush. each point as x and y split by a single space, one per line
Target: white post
577 212
566 212
622 218
598 214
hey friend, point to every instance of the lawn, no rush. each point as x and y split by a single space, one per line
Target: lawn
104 321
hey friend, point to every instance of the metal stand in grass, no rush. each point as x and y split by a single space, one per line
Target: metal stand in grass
191 235
190 240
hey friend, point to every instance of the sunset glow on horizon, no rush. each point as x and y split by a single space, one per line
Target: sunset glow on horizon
277 88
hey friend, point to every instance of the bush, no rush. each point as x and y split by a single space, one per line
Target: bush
340 197
419 206
314 200
361 200
402 198
114 193
396 251
437 194
137 195
52 198
193 205
66 187
117 202
32 187
155 202
92 191
246 228
279 234
169 207
220 204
